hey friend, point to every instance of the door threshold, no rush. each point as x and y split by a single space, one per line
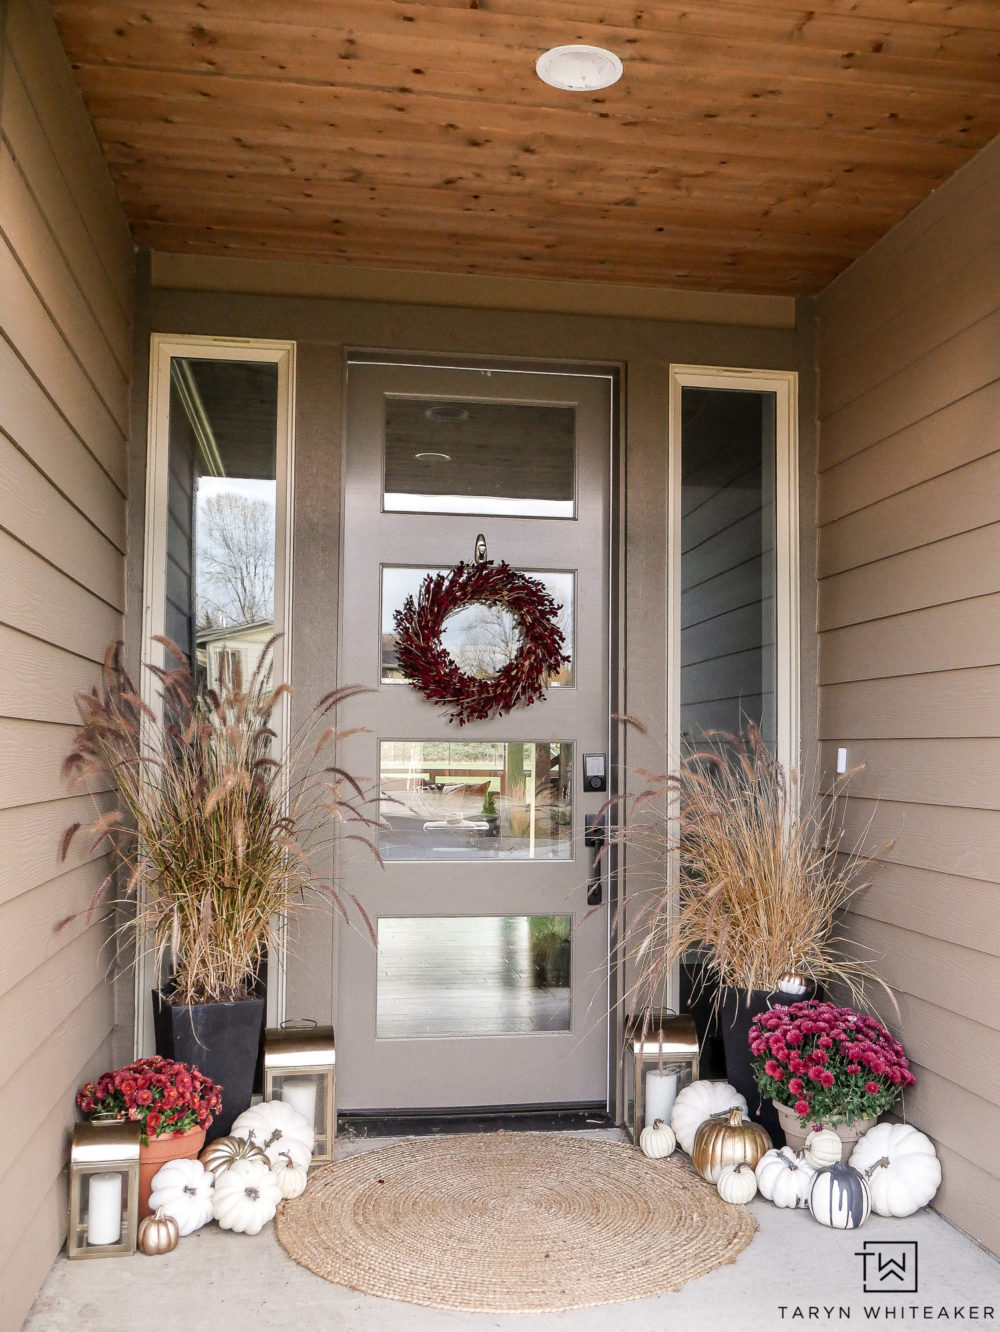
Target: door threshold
490 1119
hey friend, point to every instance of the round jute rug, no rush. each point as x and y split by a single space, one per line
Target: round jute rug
508 1222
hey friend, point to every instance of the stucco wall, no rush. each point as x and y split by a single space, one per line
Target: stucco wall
65 330
909 618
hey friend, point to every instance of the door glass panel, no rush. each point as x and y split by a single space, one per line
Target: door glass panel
475 800
221 513
473 975
458 456
481 638
728 561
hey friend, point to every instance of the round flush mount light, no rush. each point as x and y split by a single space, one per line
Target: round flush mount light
433 457
578 68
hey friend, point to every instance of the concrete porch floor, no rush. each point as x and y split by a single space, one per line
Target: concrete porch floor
795 1273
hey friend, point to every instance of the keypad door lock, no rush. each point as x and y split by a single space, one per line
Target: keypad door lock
595 772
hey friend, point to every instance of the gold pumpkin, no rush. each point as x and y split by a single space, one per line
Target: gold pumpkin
223 1152
157 1234
727 1140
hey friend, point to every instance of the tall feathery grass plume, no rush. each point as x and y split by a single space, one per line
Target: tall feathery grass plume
214 832
727 859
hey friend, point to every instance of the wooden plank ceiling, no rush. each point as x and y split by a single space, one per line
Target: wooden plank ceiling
751 145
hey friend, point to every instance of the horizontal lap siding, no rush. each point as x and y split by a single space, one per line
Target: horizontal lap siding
909 621
65 340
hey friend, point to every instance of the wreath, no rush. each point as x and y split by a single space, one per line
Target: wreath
430 667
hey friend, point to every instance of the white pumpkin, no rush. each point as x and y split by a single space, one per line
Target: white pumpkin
840 1197
698 1102
276 1127
901 1167
246 1197
657 1140
290 1177
737 1183
784 1177
823 1147
184 1190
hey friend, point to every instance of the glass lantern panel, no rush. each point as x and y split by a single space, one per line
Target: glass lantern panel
306 1091
103 1206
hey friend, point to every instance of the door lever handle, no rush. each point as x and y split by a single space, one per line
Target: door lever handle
595 832
595 836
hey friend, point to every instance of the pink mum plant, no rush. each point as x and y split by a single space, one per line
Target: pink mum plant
827 1063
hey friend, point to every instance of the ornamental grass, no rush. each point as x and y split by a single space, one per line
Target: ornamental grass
213 837
738 871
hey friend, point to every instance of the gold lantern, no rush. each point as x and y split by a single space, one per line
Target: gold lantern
655 1066
103 1189
299 1068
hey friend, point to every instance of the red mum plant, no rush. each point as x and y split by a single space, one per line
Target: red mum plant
827 1063
163 1096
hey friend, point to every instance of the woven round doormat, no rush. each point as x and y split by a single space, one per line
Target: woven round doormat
511 1222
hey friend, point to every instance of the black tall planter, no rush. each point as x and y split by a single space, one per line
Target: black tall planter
737 1010
221 1040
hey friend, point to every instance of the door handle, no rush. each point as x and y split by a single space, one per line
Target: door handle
595 836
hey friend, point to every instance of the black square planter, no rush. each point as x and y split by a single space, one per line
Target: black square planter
221 1040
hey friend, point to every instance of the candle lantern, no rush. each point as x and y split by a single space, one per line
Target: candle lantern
655 1066
103 1189
299 1069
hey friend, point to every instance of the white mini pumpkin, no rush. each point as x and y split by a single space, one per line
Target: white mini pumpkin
246 1197
737 1183
657 1140
901 1167
823 1147
184 1190
840 1197
276 1127
290 1177
698 1102
784 1177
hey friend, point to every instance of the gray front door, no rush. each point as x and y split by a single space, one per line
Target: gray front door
489 983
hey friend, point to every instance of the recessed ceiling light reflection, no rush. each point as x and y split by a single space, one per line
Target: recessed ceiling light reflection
447 411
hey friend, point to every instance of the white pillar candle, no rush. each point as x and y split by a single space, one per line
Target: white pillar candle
300 1094
104 1209
661 1090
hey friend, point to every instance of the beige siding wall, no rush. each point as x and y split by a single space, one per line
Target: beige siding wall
909 619
65 338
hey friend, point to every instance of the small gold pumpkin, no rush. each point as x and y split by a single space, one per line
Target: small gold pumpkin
727 1140
157 1234
223 1152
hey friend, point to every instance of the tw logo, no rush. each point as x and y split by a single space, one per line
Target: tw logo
889 1266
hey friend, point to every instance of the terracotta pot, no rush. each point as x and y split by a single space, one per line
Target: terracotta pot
796 1133
158 1153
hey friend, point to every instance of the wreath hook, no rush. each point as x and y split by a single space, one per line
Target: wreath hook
481 556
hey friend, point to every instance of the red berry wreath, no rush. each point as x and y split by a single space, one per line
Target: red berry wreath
430 667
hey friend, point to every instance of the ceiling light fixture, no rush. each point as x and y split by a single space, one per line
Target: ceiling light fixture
433 457
578 68
447 411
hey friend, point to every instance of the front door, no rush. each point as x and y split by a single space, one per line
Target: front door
489 984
